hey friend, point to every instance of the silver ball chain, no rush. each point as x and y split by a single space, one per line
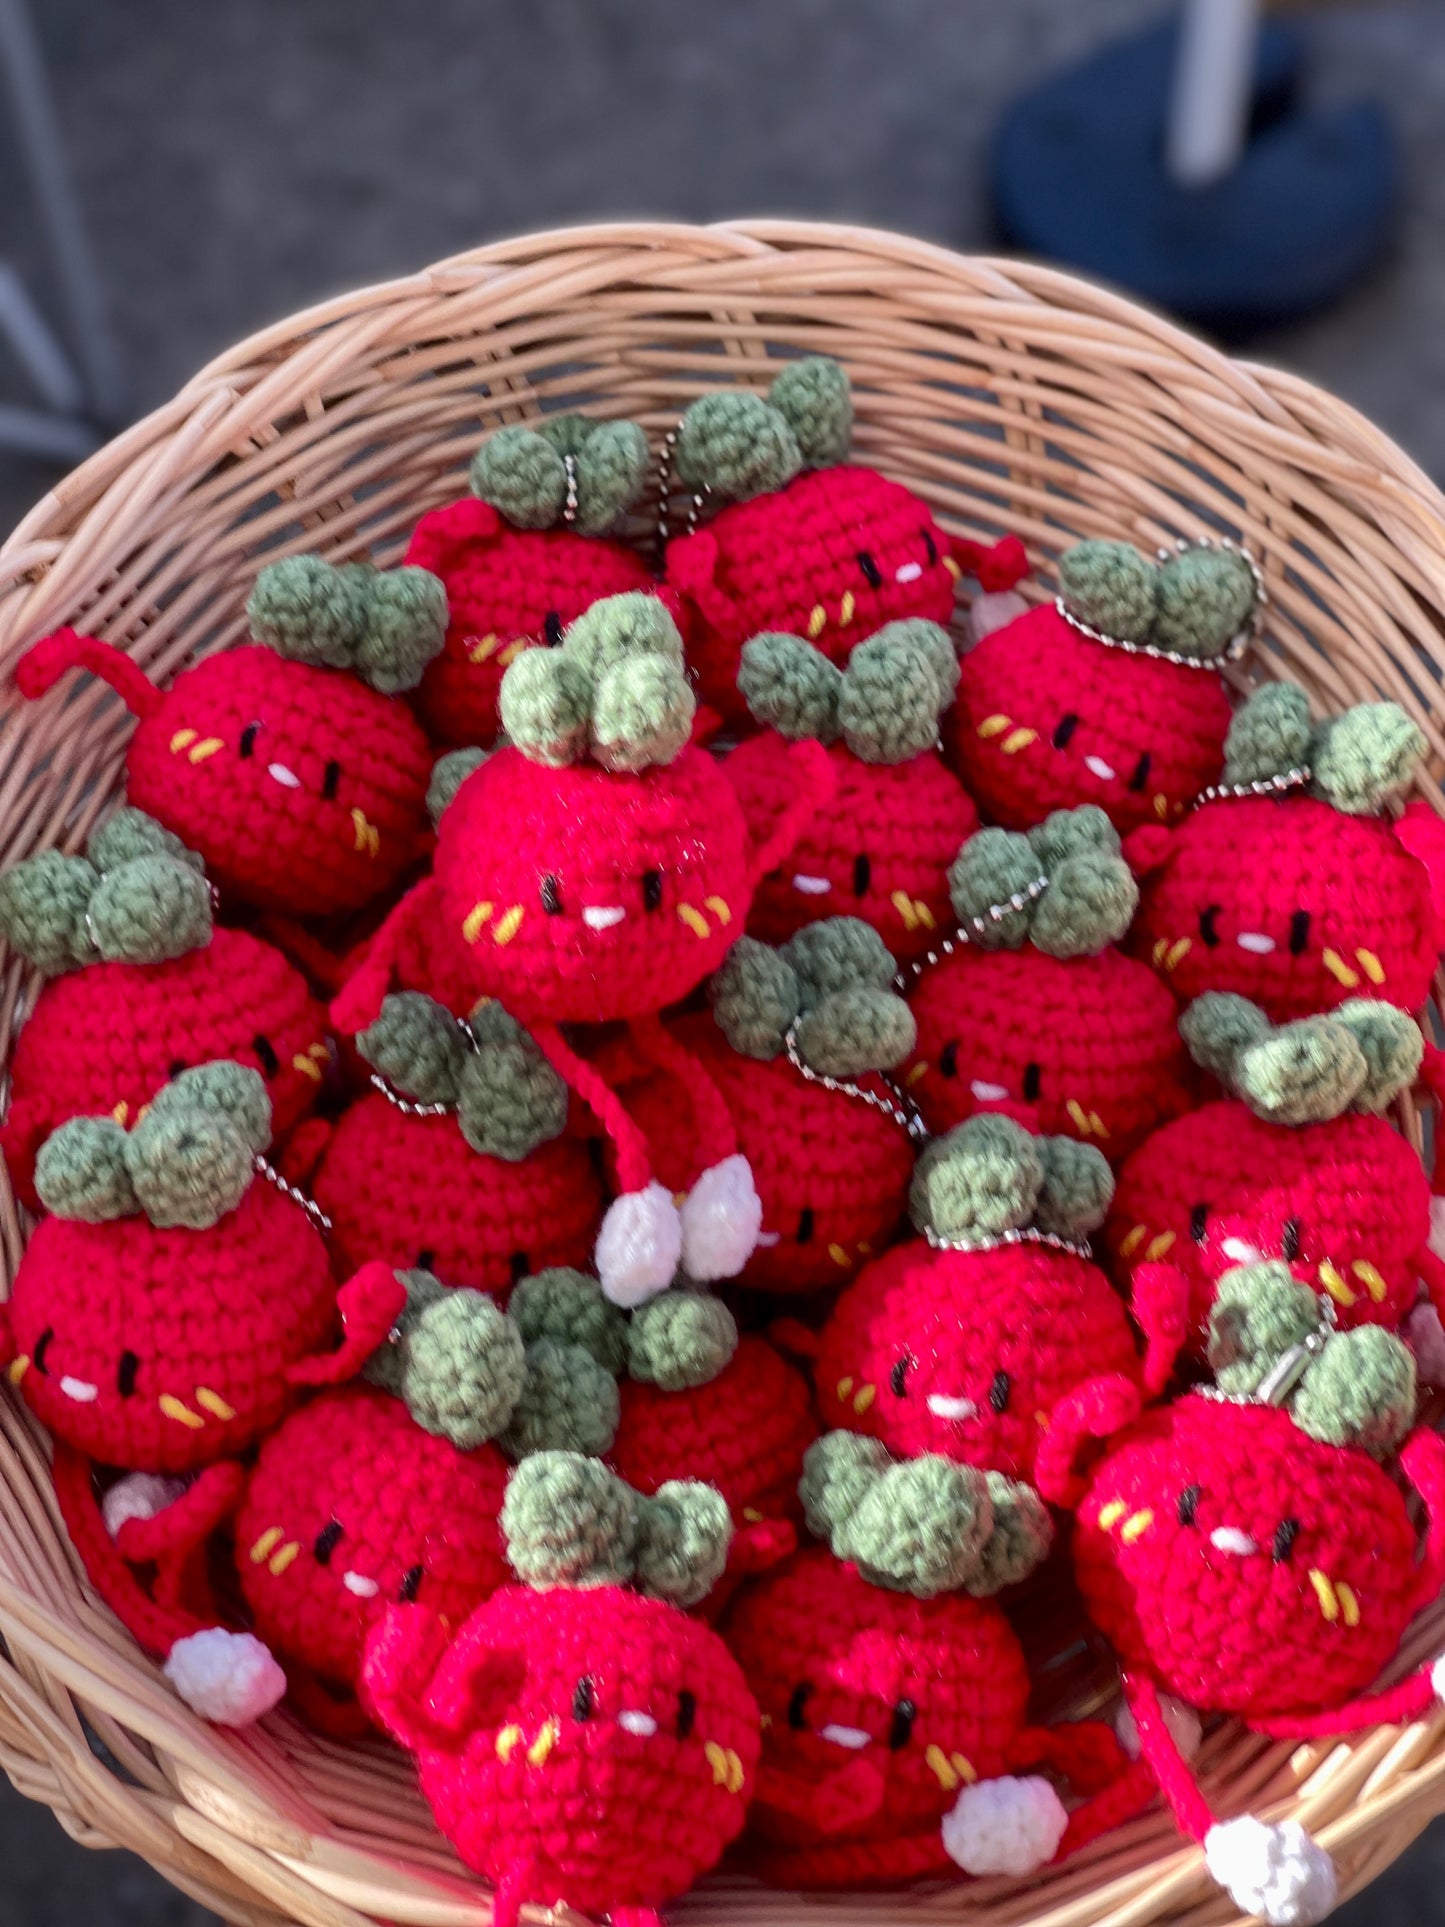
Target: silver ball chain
406 1105
666 457
1165 553
895 1105
312 1209
569 512
991 918
1290 779
1017 1235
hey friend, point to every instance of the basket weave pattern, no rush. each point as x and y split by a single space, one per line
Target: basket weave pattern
1010 397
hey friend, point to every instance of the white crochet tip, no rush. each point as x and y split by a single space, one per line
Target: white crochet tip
988 612
1275 1871
1437 1678
139 1495
639 1247
1180 1719
1005 1826
1425 1336
721 1218
230 1678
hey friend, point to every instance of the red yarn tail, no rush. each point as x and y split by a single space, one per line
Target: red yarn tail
1096 1410
42 666
155 1627
360 998
1422 1461
1431 1269
716 1131
817 779
1167 1766
1411 1699
634 1160
179 1528
401 1655
1159 1299
1111 1807
994 566
370 1304
1086 1752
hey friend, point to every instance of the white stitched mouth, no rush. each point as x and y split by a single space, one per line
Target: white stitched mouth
358 1583
642 1724
1241 1250
1231 1539
1256 941
769 1238
602 916
812 886
908 572
80 1389
849 1736
942 1406
1100 768
987 1093
286 777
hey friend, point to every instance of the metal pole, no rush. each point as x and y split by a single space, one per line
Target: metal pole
1209 110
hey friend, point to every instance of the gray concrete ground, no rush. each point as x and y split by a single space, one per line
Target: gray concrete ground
241 161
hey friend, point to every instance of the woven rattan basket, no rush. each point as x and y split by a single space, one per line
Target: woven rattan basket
1011 397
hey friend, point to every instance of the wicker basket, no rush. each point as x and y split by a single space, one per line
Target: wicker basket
1011 397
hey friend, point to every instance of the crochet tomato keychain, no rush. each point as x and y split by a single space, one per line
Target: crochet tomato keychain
1246 1552
624 875
1288 883
289 763
140 985
880 850
831 1156
964 1340
1296 1164
894 1692
1030 1008
161 1320
581 1739
808 543
467 1122
1111 694
523 556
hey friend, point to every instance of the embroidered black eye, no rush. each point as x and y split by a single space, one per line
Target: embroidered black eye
1285 1534
426 1259
948 1060
862 875
582 1699
998 1392
805 1225
1289 1243
686 1713
175 1067
651 889
552 628
930 547
1299 932
519 1264
1033 1077
872 574
330 777
1141 772
551 896
1188 1504
1198 1219
901 1725
266 1054
800 1697
1206 924
125 1377
326 1541
247 744
1064 730
42 1346
898 1377
410 1585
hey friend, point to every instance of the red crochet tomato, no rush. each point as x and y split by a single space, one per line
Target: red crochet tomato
880 850
593 1747
507 590
967 1352
1345 1203
472 1220
104 1039
351 1506
1047 719
1086 1047
832 556
1292 903
1247 1567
